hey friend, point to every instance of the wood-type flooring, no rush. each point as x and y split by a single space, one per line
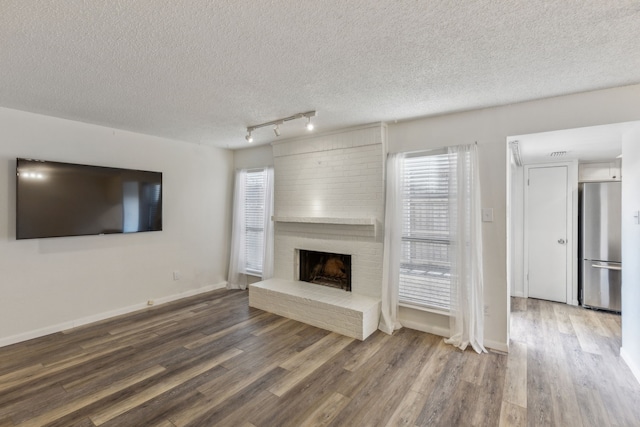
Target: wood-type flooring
210 360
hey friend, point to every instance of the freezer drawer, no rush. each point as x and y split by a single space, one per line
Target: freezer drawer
601 285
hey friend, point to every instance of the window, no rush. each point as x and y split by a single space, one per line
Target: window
252 227
254 220
425 266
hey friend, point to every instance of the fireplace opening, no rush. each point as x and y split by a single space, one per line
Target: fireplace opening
325 268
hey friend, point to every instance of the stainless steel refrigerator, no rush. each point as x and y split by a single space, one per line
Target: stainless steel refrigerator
600 245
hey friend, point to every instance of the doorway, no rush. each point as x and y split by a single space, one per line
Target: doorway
588 149
548 222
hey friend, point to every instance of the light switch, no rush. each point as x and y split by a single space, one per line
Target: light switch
487 214
636 215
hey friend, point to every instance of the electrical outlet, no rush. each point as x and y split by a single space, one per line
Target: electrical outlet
150 302
486 311
176 275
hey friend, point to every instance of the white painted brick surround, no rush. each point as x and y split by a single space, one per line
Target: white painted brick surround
339 175
336 178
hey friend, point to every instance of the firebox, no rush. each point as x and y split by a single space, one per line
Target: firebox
325 268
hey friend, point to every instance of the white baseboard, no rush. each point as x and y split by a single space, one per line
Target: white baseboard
501 347
430 329
102 316
190 293
517 294
635 369
444 332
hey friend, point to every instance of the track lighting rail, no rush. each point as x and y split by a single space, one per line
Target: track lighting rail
276 123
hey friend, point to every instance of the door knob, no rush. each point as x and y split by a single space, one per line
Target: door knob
561 241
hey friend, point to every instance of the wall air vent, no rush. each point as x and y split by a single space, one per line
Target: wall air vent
558 154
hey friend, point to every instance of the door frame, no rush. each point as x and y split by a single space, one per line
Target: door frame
572 228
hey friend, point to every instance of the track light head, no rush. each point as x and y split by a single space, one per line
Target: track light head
309 124
249 138
276 130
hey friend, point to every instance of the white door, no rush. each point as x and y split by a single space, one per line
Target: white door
547 232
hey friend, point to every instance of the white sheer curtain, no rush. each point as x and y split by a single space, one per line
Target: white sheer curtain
467 296
267 250
392 245
237 262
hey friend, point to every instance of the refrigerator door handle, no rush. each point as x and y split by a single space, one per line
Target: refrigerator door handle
607 267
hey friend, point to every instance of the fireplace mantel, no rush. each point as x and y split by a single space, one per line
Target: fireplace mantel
370 221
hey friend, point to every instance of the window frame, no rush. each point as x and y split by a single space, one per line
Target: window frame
254 221
438 240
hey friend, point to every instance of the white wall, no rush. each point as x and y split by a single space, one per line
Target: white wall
253 157
49 284
630 251
490 128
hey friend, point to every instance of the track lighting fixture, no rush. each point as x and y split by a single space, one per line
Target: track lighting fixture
276 124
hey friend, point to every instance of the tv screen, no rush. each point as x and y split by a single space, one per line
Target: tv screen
56 199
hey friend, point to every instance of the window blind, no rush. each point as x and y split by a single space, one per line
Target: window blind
254 220
425 268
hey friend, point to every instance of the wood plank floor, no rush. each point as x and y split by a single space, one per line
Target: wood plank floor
211 360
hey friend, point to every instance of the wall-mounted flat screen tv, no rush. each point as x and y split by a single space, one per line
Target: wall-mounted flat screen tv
56 199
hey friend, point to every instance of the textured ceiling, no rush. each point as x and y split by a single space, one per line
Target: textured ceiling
202 71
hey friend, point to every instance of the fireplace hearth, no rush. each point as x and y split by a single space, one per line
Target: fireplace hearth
325 268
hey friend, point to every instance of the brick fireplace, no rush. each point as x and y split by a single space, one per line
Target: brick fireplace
329 198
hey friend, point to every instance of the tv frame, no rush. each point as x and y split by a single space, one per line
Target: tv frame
95 167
